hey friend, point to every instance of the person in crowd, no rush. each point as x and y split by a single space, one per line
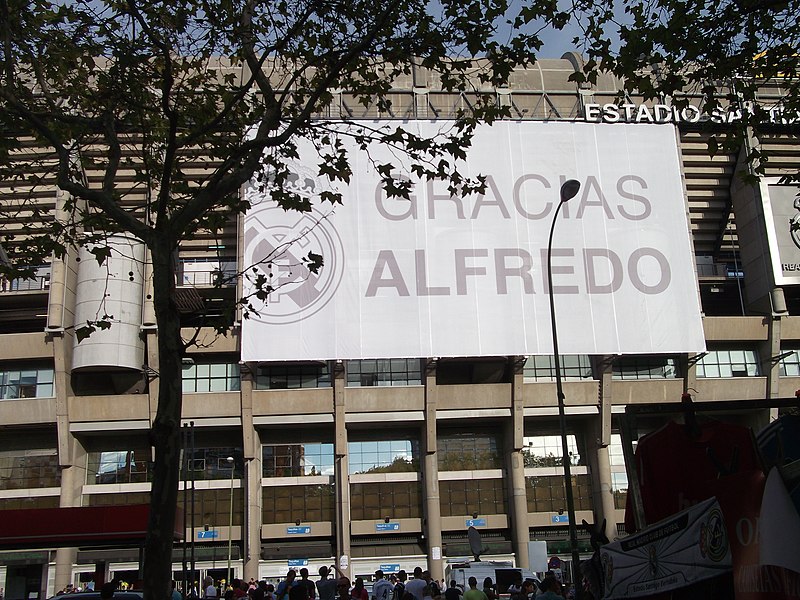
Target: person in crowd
209 591
400 585
551 589
282 593
473 593
298 592
488 589
453 592
311 589
359 592
343 588
382 589
416 585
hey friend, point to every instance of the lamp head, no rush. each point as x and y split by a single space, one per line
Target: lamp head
229 459
569 189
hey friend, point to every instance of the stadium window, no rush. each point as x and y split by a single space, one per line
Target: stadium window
645 367
790 364
383 456
29 469
292 377
119 466
546 451
384 373
296 460
469 451
543 368
729 363
26 381
211 377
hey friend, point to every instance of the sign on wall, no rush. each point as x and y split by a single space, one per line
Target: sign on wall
782 210
437 275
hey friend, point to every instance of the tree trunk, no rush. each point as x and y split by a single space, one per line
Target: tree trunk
165 435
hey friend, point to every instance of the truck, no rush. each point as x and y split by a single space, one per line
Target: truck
503 574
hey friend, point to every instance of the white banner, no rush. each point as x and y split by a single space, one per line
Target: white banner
443 276
686 548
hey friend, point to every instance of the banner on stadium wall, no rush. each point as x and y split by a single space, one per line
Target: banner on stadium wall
687 548
782 212
437 275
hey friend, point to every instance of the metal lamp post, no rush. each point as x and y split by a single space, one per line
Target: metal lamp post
230 523
569 190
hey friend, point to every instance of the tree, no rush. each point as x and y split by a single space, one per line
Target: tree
112 102
729 53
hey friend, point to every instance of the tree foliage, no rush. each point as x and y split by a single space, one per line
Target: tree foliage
146 117
738 55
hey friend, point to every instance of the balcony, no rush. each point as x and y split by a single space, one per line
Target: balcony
206 273
39 282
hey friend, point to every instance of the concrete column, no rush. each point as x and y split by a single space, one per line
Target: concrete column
253 496
72 480
341 472
515 465
600 461
432 524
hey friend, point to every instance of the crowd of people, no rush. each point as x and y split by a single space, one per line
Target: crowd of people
298 586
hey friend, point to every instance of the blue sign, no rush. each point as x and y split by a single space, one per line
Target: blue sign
301 530
559 518
393 568
297 562
387 526
207 535
476 522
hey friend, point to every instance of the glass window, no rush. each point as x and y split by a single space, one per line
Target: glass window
29 469
306 503
211 377
543 368
290 377
26 381
119 466
546 493
384 456
401 500
389 372
475 496
469 451
645 367
213 463
546 451
619 487
729 363
297 460
790 364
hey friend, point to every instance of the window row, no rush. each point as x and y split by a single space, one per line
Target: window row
37 381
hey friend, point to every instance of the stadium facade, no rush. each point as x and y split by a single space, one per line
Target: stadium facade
374 459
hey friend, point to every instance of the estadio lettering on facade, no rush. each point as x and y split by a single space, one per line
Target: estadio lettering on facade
630 112
437 275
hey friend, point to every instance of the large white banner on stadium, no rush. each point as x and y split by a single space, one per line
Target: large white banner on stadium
438 275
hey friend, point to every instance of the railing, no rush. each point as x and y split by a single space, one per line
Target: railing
40 281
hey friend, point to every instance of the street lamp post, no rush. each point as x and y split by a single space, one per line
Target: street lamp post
230 524
569 190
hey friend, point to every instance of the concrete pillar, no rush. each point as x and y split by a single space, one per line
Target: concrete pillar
252 492
341 472
515 465
600 461
432 525
72 479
